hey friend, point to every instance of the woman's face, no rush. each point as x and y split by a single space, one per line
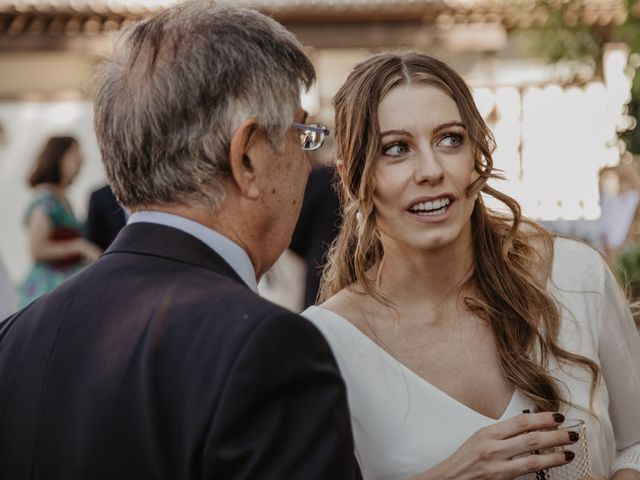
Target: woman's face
423 170
70 165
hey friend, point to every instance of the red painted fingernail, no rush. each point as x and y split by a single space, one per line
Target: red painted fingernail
574 436
558 417
569 456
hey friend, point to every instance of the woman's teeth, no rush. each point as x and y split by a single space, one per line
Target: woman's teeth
431 208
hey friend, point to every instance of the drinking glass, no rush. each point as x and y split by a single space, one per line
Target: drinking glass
578 468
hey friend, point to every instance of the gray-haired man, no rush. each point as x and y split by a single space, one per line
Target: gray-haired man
160 361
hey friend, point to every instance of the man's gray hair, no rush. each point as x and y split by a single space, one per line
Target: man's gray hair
177 87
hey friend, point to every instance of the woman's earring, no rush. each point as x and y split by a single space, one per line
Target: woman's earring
359 216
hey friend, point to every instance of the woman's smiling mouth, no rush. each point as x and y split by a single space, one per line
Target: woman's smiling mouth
431 208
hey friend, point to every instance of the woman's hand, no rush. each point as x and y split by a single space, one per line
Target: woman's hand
503 450
87 250
43 248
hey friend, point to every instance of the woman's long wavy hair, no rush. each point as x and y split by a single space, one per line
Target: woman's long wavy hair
523 316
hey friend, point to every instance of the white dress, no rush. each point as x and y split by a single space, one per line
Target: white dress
403 425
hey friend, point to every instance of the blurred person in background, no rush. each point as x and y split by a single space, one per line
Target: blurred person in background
448 319
105 217
319 221
620 220
55 235
619 187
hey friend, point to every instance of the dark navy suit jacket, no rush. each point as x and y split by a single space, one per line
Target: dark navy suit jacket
157 362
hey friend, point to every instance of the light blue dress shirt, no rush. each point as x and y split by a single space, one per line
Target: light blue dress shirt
230 251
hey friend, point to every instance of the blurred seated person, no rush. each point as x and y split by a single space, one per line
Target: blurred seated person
619 200
105 217
54 234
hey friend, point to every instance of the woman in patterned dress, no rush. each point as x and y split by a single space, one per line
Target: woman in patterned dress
55 235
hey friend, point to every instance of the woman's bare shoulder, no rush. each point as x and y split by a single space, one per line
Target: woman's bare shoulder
349 303
340 302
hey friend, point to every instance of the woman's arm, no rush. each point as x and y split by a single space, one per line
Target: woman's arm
619 354
503 450
43 248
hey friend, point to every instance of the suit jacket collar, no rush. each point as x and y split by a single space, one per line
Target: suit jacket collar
167 242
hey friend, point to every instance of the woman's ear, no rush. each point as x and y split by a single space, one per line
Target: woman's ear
240 162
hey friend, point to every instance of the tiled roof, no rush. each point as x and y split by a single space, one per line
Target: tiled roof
55 17
124 7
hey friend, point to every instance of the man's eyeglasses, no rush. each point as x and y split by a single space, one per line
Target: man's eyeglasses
312 135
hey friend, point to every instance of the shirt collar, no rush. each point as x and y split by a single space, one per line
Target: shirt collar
230 251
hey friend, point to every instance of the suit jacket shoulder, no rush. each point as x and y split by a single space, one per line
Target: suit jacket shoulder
158 362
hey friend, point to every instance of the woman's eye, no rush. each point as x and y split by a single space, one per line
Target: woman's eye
395 150
451 140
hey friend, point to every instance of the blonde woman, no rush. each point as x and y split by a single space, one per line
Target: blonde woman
448 319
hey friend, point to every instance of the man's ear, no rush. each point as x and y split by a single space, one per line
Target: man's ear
240 162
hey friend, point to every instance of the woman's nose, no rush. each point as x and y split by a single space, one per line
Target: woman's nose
428 169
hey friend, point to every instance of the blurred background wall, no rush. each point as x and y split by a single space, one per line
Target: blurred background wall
554 78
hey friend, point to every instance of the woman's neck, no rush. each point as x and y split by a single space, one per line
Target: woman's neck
424 276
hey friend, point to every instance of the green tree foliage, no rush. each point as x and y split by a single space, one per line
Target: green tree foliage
629 33
566 37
